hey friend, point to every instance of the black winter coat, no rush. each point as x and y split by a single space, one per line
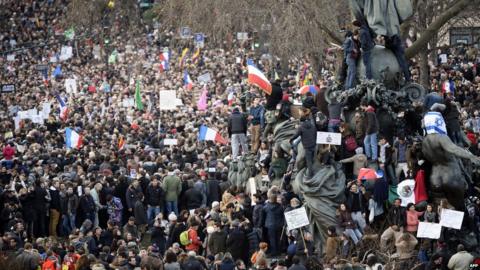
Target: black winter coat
308 132
237 124
193 198
236 244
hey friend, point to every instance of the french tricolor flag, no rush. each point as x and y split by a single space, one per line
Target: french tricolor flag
256 77
187 82
207 134
164 61
73 139
63 108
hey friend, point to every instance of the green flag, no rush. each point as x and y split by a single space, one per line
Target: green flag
112 59
138 97
69 33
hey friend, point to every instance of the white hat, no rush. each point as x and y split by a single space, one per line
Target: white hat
172 217
215 204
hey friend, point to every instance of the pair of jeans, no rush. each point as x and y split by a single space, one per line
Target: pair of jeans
359 219
333 125
274 240
39 223
395 44
237 140
68 223
371 146
390 173
367 62
355 234
172 206
351 72
456 137
54 217
152 212
310 159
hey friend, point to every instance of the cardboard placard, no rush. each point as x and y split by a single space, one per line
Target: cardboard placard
329 138
451 219
429 230
297 218
168 100
170 142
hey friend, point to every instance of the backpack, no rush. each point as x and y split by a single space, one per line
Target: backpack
49 264
350 144
69 262
185 238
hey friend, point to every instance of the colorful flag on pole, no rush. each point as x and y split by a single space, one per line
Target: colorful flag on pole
207 134
187 82
165 60
121 143
256 77
138 96
73 139
69 33
183 57
63 108
202 104
196 56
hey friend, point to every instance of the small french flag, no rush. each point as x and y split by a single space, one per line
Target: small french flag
187 82
207 134
73 139
63 108
164 60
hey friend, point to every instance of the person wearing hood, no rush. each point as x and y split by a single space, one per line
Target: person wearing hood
237 130
371 129
359 161
308 132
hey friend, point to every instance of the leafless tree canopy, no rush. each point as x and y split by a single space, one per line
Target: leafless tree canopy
292 27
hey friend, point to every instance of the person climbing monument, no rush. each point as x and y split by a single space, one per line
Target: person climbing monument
308 133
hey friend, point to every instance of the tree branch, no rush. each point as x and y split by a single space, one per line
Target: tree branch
441 20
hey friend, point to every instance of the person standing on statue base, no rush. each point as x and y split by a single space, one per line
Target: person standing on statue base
351 48
308 132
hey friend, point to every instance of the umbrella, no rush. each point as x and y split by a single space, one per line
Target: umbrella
308 88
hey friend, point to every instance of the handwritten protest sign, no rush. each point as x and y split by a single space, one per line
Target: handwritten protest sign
66 53
296 218
170 142
451 219
429 230
205 78
168 100
329 138
71 85
8 88
128 102
11 57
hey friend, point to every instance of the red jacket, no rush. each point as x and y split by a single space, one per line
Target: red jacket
195 242
8 152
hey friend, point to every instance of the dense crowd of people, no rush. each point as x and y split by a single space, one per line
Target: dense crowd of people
126 200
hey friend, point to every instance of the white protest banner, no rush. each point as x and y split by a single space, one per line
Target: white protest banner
22 115
38 119
405 191
329 138
170 142
168 100
66 53
53 59
11 57
8 88
17 120
205 78
297 218
71 85
451 219
429 230
32 113
46 109
128 102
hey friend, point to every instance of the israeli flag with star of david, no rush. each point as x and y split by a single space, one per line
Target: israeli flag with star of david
434 123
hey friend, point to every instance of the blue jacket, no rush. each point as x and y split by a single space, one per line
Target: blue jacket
272 216
348 47
258 115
